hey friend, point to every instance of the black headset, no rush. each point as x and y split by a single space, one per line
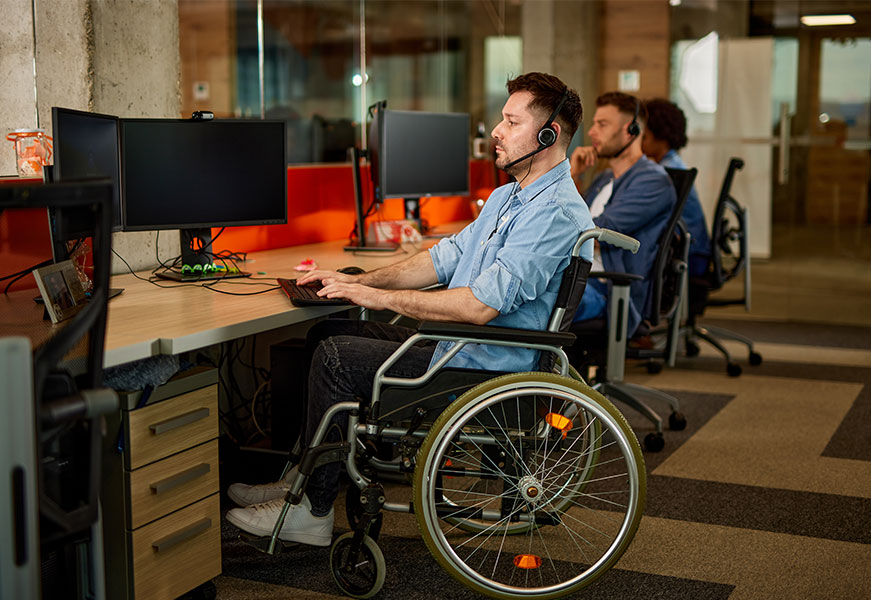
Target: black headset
634 128
547 135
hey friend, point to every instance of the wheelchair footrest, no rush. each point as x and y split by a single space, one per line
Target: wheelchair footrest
261 543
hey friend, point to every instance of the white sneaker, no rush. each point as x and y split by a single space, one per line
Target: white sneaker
299 524
246 495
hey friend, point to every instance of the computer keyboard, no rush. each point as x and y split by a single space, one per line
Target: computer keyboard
307 295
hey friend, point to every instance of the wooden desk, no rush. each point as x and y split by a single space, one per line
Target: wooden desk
147 320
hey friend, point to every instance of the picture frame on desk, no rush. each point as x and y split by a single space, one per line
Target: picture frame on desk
61 290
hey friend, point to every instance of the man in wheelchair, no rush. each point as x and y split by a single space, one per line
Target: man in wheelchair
504 269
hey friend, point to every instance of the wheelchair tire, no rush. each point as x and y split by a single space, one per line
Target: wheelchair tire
572 533
366 577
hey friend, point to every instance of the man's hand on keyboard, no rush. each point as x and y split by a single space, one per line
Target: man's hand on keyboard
326 277
361 295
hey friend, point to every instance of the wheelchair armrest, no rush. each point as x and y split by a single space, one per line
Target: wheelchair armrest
483 333
617 278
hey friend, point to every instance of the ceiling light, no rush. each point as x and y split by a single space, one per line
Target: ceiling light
818 20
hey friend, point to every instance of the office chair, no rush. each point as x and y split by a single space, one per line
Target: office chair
603 343
730 257
509 471
66 412
670 277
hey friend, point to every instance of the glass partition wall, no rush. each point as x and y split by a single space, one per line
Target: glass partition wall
794 102
319 64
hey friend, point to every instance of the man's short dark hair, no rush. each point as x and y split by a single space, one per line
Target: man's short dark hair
547 91
625 103
667 122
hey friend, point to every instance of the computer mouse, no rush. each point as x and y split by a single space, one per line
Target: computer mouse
351 270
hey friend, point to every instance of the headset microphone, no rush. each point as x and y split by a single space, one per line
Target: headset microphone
546 135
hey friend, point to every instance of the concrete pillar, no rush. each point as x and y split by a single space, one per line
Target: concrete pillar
17 92
118 57
562 38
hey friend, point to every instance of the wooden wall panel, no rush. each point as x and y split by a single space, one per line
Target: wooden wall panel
207 42
635 36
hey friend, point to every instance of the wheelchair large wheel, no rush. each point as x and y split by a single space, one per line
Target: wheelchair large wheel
575 528
587 438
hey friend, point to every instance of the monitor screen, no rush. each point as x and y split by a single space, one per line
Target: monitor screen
85 147
423 154
179 174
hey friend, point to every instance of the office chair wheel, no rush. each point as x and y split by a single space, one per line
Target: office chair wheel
359 576
733 369
354 511
677 421
528 432
692 348
654 367
654 442
755 359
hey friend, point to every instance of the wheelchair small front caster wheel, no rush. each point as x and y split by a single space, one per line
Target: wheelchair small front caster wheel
733 369
358 576
692 348
677 421
654 367
755 359
654 442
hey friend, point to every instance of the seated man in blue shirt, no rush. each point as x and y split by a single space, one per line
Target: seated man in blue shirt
504 269
665 134
634 196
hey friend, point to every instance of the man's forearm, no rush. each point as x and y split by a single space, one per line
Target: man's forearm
457 305
413 273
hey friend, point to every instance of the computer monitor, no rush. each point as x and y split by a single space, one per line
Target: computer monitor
195 175
422 154
86 147
414 154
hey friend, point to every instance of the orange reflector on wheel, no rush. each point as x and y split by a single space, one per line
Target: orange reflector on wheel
557 421
527 561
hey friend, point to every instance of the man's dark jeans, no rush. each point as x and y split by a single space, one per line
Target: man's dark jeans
345 355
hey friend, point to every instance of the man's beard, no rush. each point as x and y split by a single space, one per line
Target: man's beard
517 168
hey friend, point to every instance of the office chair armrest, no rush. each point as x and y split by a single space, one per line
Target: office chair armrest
484 333
616 278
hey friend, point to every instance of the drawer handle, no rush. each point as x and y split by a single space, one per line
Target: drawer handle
183 535
164 485
179 421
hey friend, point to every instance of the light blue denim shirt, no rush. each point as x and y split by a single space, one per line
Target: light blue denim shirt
512 257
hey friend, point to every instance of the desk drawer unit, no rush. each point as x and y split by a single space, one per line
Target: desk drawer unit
161 510
178 552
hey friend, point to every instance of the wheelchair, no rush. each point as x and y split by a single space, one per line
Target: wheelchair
524 485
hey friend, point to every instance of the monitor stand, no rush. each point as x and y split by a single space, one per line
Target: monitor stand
412 213
196 259
362 245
